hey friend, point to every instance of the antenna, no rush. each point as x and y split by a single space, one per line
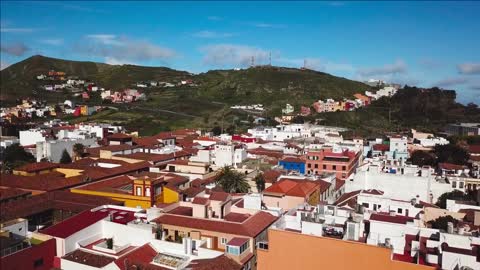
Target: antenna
304 63
253 61
270 58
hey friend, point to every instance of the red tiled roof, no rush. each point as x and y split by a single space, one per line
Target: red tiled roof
237 241
450 166
221 262
349 198
381 147
474 149
260 151
182 210
74 224
271 176
292 159
200 200
141 256
391 219
373 192
296 188
251 227
339 183
95 151
10 193
45 182
87 258
236 217
193 191
219 196
38 166
118 136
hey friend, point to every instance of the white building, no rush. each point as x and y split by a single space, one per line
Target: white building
52 149
31 137
403 183
229 155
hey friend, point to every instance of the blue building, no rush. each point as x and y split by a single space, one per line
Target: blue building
293 164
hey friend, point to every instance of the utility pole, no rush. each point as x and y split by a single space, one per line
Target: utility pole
270 59
252 64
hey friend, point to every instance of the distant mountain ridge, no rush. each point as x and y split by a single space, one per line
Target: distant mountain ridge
263 84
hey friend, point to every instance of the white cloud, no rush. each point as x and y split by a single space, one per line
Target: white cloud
16 49
469 68
106 39
451 81
317 64
121 49
53 41
211 34
231 54
16 30
389 69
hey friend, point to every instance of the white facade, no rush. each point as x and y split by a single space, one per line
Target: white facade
229 155
400 186
52 150
30 137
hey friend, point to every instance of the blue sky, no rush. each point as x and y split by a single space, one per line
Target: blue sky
417 43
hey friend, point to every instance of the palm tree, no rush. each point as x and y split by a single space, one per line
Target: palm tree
260 182
232 181
78 150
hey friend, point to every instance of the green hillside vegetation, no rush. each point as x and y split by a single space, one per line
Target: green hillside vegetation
275 86
19 80
412 107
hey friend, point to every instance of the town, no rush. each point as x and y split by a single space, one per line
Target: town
97 196
239 135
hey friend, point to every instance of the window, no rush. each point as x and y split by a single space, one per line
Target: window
344 168
223 240
366 205
147 192
334 167
460 184
233 250
139 191
399 210
374 207
454 184
309 165
316 166
324 167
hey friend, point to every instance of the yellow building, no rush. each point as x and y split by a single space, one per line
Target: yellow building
142 190
32 169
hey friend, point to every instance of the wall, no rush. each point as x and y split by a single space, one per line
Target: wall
285 202
28 137
311 252
24 260
398 186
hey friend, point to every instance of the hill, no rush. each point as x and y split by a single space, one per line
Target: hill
19 80
271 85
411 107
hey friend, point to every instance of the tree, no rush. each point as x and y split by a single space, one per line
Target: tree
78 150
260 182
232 181
422 158
441 223
216 130
452 154
453 195
65 159
15 156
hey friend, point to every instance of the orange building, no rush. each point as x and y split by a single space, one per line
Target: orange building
291 250
326 161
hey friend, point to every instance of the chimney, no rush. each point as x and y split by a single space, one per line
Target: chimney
449 227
